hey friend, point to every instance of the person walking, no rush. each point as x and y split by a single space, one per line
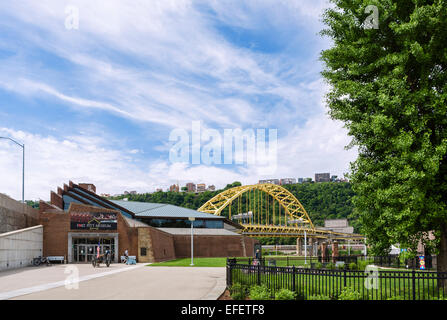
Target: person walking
126 256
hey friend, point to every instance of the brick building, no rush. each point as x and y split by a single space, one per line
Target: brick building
77 221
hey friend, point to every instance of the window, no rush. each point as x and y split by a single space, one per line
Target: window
142 252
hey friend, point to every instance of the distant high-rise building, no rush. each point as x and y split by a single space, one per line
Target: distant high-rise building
201 187
287 181
174 188
300 180
322 177
158 190
211 188
190 187
272 181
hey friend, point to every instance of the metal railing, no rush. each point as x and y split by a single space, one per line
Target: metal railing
391 261
369 285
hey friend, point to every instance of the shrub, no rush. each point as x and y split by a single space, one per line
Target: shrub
318 265
330 266
285 294
349 294
238 291
340 266
319 297
353 266
260 293
361 265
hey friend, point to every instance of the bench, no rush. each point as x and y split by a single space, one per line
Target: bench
134 258
61 259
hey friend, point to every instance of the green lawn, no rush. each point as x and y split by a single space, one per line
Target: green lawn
198 262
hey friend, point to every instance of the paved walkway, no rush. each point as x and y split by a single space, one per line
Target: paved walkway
119 281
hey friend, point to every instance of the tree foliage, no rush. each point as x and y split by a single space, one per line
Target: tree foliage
388 85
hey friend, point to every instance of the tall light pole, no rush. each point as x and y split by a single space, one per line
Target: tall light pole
192 219
23 165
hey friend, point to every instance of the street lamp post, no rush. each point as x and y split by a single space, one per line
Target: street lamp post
23 165
192 219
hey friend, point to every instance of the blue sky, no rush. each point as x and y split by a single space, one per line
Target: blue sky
97 104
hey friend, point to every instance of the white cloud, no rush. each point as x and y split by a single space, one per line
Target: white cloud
162 63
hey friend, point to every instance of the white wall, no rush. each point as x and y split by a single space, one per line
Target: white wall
18 248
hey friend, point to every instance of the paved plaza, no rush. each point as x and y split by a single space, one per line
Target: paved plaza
119 281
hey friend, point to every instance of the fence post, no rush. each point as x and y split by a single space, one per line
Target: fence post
287 260
413 273
229 278
293 279
259 275
344 277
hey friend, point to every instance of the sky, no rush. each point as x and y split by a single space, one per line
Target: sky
96 90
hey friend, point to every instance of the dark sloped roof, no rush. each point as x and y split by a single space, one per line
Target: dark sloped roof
159 210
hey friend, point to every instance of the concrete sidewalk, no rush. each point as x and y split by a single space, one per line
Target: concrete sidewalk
117 282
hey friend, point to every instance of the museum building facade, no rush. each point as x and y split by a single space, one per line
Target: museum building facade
77 221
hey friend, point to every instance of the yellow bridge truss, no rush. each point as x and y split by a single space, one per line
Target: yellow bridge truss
270 211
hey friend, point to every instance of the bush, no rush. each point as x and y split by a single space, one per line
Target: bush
238 291
318 265
260 293
319 297
352 266
330 266
285 294
349 294
361 265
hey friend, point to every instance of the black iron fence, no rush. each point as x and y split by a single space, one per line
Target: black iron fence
371 284
391 261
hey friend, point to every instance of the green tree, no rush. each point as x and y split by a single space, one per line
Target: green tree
388 86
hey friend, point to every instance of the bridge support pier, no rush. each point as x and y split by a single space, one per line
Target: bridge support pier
334 250
323 251
310 252
299 246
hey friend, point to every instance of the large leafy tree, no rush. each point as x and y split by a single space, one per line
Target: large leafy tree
388 85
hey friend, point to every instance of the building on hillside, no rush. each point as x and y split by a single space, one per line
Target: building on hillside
201 187
77 222
338 225
272 181
211 188
300 180
285 181
190 187
322 177
174 188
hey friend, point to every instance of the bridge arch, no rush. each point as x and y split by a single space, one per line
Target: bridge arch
293 208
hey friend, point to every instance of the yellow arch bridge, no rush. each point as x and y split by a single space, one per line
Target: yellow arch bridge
269 210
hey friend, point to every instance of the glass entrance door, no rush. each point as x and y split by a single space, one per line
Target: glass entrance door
82 253
84 249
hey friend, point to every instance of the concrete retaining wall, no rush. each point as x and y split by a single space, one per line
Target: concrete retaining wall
18 248
15 215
